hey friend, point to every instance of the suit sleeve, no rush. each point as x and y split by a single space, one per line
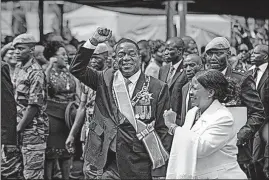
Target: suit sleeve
250 98
161 129
79 68
215 137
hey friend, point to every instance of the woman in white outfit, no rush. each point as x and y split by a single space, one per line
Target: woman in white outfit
205 146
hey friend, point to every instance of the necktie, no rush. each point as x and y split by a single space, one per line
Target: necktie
127 83
170 75
255 73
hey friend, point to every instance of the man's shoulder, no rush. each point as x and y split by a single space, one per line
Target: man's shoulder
156 82
34 67
186 85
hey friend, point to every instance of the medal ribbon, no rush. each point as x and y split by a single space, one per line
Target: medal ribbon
145 132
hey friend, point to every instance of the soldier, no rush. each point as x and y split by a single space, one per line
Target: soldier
217 53
30 95
127 137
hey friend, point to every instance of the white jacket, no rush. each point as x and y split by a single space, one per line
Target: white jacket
214 138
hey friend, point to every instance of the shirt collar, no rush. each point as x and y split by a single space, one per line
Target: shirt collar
134 78
177 64
262 67
224 71
28 64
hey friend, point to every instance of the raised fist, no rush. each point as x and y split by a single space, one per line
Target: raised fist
53 60
101 35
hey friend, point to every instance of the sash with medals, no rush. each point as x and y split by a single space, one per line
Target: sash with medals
144 132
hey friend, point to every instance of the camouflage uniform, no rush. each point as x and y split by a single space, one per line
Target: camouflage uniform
30 89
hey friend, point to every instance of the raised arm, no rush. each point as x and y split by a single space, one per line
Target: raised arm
79 65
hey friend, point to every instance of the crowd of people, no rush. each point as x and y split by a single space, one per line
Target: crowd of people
133 110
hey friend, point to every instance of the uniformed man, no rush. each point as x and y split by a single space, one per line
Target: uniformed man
30 95
217 53
122 139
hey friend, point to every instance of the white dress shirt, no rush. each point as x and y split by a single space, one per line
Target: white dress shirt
260 72
89 45
175 68
224 71
134 78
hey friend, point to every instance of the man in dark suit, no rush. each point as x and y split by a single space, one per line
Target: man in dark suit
191 64
11 160
113 146
217 53
173 73
260 72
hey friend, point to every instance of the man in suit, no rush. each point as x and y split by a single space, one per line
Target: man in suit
260 72
192 64
217 53
11 159
114 148
173 73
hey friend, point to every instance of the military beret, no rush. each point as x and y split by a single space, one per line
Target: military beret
101 48
218 43
24 39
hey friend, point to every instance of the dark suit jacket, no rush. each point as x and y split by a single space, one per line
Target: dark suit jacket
263 90
178 81
183 109
132 158
249 98
8 108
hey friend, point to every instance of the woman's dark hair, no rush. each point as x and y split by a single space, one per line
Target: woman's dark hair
156 45
214 80
125 40
51 48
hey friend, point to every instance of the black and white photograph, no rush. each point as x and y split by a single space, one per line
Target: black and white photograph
134 89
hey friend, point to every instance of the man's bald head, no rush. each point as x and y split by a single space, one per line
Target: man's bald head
192 64
174 48
176 41
195 58
263 48
260 55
